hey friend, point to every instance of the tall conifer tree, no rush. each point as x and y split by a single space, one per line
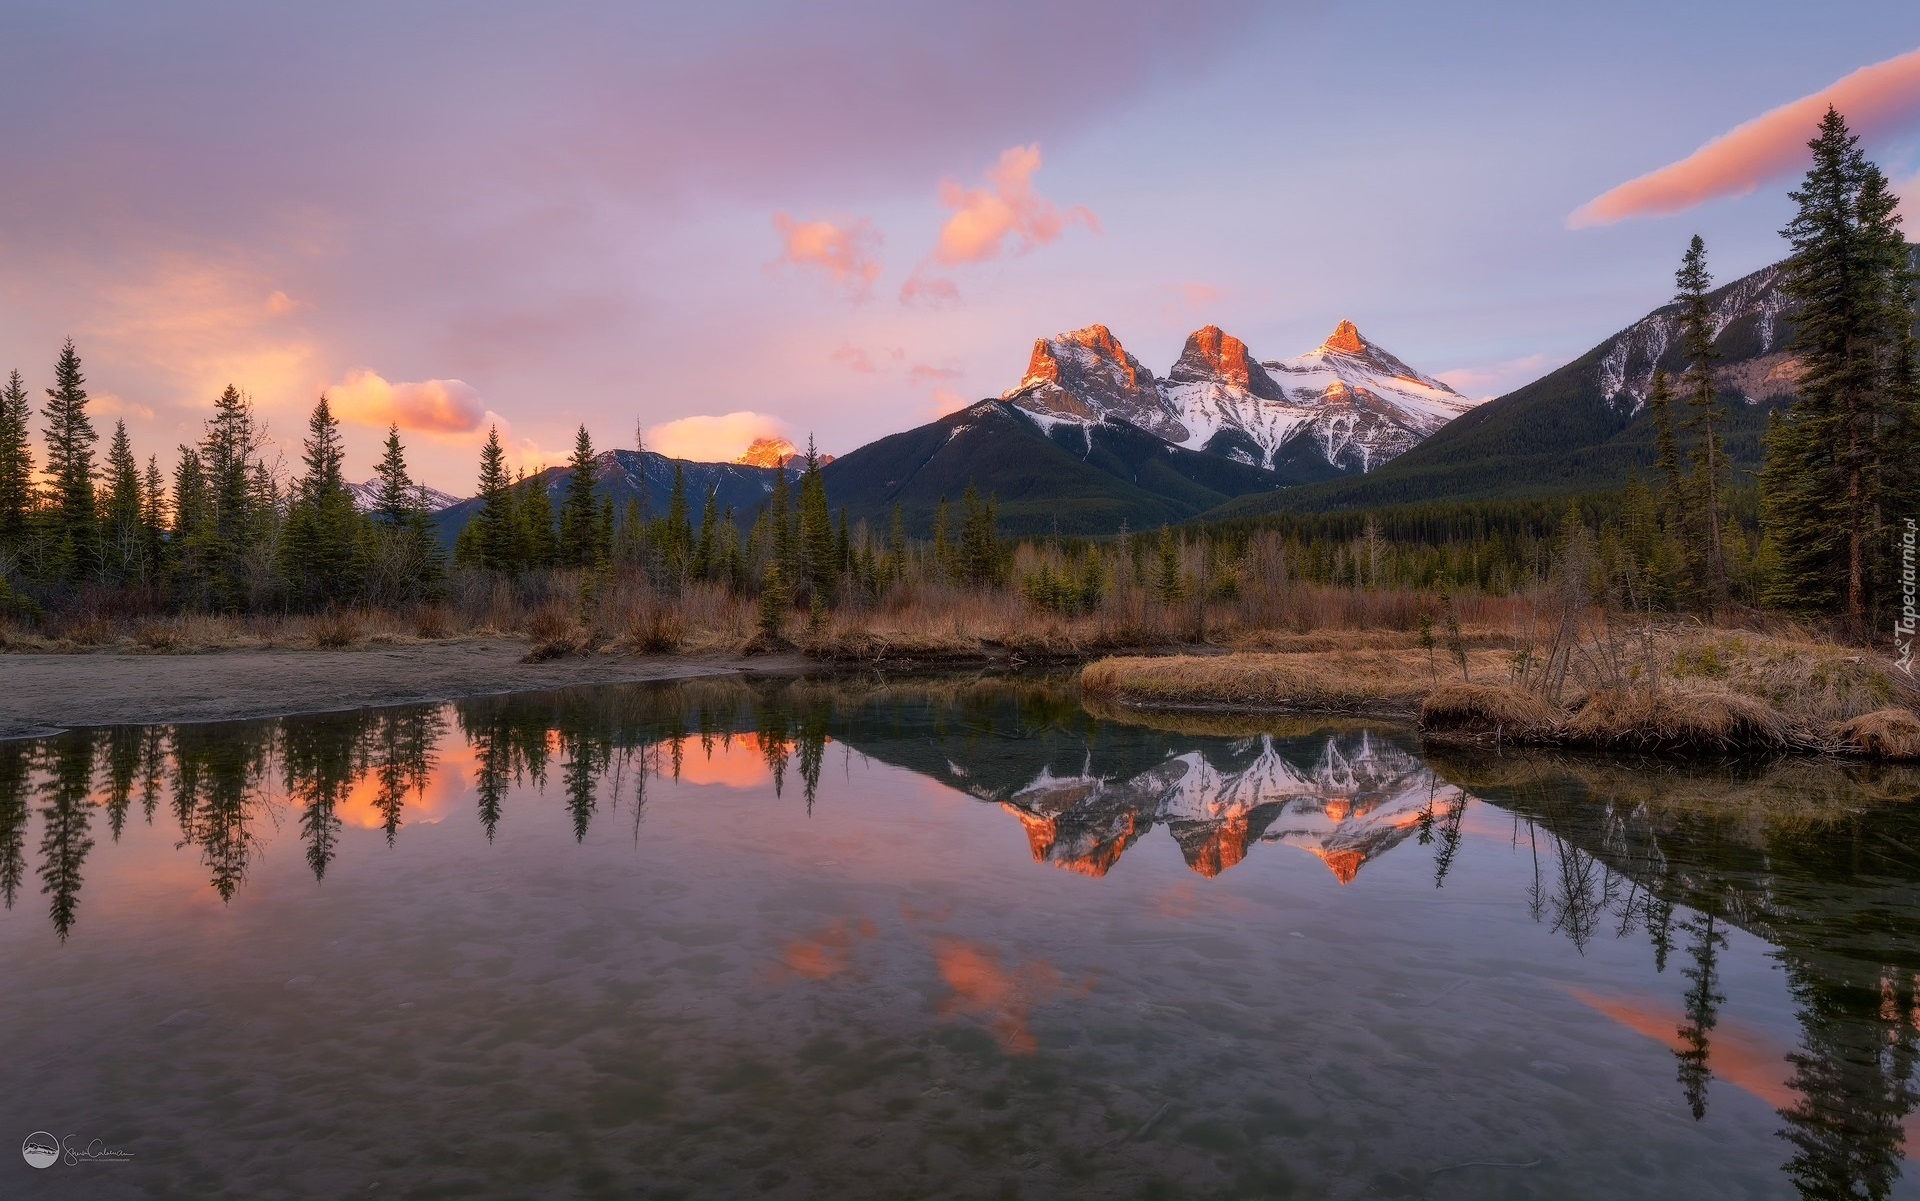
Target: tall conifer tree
1707 422
123 536
578 512
16 465
1824 481
74 521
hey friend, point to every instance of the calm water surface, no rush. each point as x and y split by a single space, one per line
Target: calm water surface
824 939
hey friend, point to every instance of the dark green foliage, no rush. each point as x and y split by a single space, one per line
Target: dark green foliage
533 511
978 559
16 466
579 515
1826 476
1705 424
73 530
819 562
226 459
124 544
402 554
321 544
495 545
1086 484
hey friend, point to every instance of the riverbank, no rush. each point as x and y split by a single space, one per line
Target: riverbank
1689 690
44 693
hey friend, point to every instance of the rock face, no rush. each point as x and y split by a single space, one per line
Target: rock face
773 452
1349 403
1751 319
1086 376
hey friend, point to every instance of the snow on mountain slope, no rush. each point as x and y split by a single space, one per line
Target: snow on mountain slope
1626 370
1347 401
367 496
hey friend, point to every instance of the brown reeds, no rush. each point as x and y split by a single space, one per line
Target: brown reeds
1890 733
1498 711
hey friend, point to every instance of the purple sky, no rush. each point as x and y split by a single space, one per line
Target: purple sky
844 218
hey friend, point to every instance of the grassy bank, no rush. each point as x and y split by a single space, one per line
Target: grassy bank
1682 688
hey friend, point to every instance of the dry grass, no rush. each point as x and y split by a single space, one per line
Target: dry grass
1479 710
1883 734
336 630
1336 681
1640 720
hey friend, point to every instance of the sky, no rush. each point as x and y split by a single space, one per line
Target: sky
706 223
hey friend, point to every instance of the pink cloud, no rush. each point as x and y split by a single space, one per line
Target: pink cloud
1006 210
1773 145
934 291
1198 295
922 374
713 439
1910 205
846 252
853 359
947 401
279 304
435 406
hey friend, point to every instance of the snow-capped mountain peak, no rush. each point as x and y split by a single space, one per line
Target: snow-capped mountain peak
366 497
1348 402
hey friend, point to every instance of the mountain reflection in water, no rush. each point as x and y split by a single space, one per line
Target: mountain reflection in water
1735 882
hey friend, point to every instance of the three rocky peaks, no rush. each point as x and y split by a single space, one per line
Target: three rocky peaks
1348 401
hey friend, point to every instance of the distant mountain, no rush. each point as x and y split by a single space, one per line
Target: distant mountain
367 496
1080 477
647 477
773 452
1585 426
1346 406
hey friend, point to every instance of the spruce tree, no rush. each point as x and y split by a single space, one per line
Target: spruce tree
1824 482
123 535
676 541
496 521
16 465
226 457
401 517
73 520
817 557
1169 583
318 553
1707 422
534 508
191 546
153 517
578 512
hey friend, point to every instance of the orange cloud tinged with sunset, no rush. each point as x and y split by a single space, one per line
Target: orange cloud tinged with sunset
847 253
435 406
1873 99
713 439
1008 209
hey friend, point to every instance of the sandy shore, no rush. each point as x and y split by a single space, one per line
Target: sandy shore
40 694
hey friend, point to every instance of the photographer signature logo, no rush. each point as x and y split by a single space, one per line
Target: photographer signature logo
42 1150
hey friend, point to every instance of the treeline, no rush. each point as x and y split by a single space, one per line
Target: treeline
221 532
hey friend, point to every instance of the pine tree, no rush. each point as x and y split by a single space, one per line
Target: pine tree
16 465
577 507
191 546
226 456
497 522
817 558
1169 584
677 540
534 508
1824 481
401 518
705 550
1692 282
779 518
153 517
74 521
318 551
123 538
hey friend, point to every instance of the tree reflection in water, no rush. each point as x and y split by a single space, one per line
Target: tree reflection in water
1814 859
